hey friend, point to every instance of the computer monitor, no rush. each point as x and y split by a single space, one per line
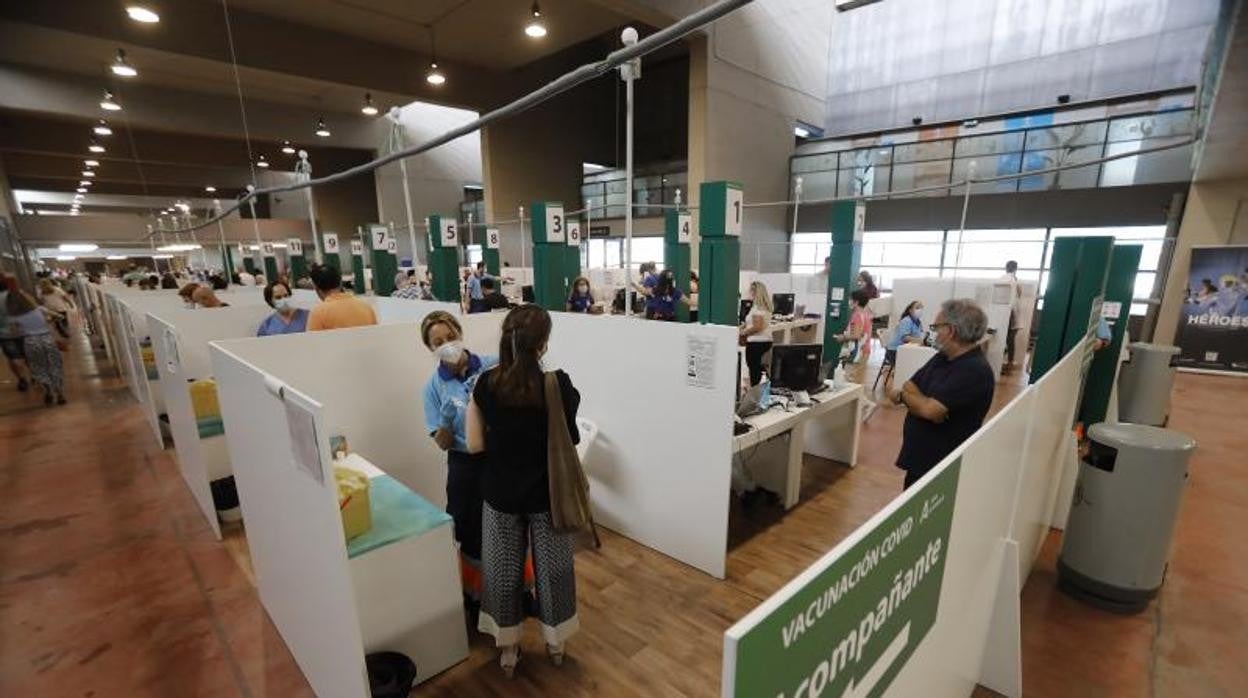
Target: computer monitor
796 366
746 306
782 303
526 294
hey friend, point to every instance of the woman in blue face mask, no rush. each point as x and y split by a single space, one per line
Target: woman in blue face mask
909 330
286 318
446 402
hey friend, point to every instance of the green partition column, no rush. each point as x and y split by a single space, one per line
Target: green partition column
550 255
331 252
357 267
269 255
677 234
719 253
249 264
443 241
227 258
298 265
1124 263
1072 300
385 264
848 218
491 254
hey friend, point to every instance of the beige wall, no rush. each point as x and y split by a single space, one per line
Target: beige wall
1215 214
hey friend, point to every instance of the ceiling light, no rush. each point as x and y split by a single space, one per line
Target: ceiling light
95 147
368 108
288 148
320 129
91 163
84 183
535 28
141 14
77 198
261 162
65 258
88 173
102 129
82 190
78 247
116 257
801 132
162 256
435 77
183 207
121 68
210 189
108 103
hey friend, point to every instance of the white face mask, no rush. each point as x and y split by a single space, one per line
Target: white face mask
282 304
450 353
918 313
190 305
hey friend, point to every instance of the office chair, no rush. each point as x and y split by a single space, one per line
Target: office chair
886 364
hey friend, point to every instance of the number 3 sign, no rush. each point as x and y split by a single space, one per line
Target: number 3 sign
555 224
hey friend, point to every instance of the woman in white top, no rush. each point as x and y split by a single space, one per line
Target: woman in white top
757 330
57 302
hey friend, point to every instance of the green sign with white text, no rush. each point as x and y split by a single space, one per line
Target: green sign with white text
850 630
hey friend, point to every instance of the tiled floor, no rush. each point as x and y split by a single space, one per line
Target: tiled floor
112 585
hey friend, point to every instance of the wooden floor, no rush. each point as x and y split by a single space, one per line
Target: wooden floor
112 585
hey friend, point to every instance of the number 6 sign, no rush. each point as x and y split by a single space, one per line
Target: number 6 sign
491 238
574 233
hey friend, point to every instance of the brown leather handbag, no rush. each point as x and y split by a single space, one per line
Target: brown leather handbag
569 488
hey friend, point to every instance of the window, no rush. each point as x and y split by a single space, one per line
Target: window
474 255
649 249
807 252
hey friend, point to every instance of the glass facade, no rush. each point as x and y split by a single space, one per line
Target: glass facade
977 253
657 185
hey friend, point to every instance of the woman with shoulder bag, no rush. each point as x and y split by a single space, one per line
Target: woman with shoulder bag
525 471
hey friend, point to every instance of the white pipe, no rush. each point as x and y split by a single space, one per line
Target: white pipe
628 72
523 243
407 204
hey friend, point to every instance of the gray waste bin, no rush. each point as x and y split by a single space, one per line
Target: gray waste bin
1123 515
1144 384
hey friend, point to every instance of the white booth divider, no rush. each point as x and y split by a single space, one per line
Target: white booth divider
180 339
858 622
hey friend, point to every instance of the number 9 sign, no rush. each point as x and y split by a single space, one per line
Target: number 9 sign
331 243
491 238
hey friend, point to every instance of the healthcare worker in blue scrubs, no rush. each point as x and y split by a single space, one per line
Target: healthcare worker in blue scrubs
446 401
286 318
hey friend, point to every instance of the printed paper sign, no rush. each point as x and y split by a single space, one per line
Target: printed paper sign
392 245
266 249
555 224
860 220
684 228
491 238
733 212
450 233
357 248
304 446
574 233
851 629
294 247
838 293
700 361
1111 310
380 235
331 243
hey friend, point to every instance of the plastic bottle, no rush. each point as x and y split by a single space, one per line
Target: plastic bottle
838 377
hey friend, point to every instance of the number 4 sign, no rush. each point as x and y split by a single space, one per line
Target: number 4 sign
684 225
491 238
732 215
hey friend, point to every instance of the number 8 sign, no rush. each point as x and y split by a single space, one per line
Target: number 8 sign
491 238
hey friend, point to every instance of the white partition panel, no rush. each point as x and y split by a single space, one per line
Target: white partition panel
392 310
1045 455
634 383
180 339
294 532
132 310
931 291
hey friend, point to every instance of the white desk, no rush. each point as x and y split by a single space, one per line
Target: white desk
828 429
797 330
910 358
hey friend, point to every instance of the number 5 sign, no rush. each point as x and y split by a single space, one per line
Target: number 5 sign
331 243
491 238
450 233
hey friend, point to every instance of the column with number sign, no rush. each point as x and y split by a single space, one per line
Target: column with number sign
719 254
269 254
677 234
227 259
249 261
331 251
550 253
298 265
848 219
1124 263
491 253
444 257
1072 299
572 256
360 283
385 266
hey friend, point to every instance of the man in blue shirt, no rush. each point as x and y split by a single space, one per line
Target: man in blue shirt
446 398
475 293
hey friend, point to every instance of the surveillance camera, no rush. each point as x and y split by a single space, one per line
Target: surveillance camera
917 120
628 36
